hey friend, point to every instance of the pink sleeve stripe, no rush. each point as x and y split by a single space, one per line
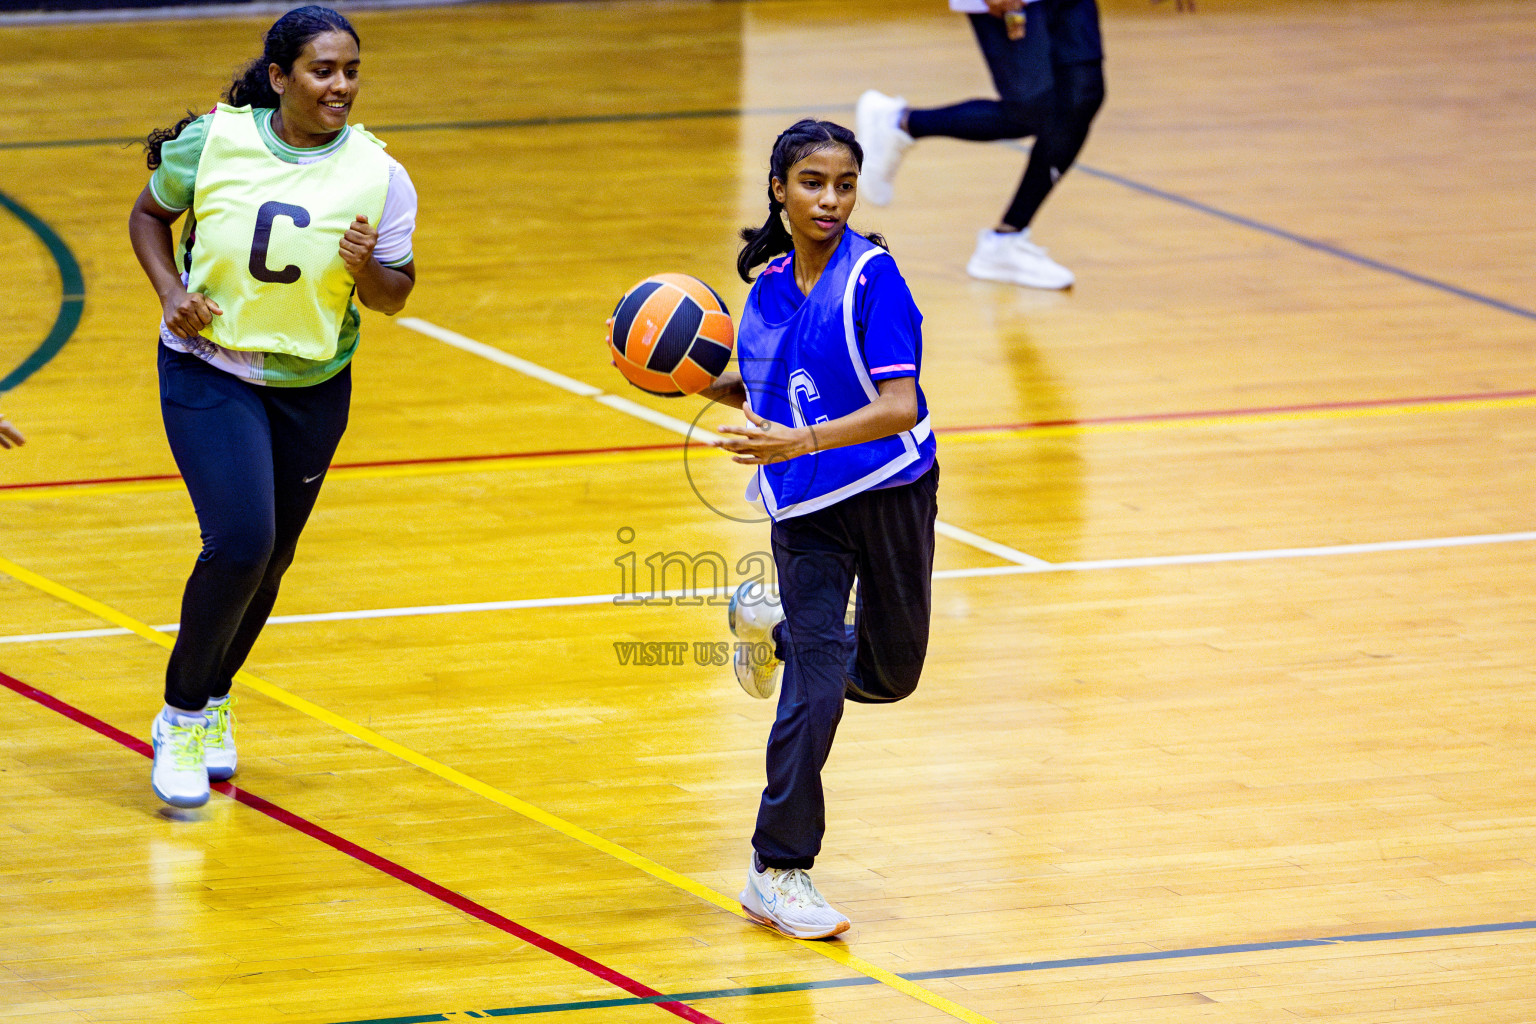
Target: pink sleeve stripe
894 367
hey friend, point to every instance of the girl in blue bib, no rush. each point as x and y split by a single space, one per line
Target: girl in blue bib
829 349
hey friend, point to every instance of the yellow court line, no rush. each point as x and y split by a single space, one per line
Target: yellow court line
91 490
491 793
672 454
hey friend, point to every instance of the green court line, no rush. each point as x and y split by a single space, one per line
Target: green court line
71 300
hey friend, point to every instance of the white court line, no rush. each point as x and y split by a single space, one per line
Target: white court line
496 355
639 411
992 547
660 419
1272 554
375 613
1264 555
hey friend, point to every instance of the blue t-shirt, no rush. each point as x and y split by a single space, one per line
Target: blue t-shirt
886 322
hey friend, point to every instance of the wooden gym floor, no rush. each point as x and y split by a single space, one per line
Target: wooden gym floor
1229 710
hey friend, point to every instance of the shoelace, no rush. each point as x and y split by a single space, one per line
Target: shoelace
795 886
222 729
187 746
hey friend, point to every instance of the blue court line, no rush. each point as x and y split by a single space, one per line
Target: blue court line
972 972
71 301
1310 243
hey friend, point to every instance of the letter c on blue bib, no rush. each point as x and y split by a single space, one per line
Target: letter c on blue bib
804 399
268 213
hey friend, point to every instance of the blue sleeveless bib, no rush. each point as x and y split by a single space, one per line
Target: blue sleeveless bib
809 369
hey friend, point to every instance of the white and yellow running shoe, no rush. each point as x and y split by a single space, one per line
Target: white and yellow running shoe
178 776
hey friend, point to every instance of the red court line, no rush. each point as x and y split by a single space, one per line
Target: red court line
435 460
514 455
374 860
88 482
1155 417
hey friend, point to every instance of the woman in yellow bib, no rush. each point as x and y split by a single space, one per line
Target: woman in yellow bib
291 214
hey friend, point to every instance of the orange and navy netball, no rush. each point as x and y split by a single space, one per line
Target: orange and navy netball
671 335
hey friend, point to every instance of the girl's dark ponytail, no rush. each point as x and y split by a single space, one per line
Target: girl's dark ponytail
798 141
252 87
764 243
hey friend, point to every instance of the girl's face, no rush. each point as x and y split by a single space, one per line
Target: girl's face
819 194
318 95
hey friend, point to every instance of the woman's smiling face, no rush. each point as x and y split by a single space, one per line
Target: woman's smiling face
819 193
317 95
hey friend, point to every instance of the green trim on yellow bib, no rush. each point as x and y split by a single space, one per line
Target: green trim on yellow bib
268 237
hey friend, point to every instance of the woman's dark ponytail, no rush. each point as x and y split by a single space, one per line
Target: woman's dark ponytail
160 136
797 142
252 87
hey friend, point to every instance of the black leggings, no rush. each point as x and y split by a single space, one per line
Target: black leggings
1051 85
253 458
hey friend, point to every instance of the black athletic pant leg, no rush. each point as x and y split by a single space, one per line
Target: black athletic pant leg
1079 94
895 603
1021 72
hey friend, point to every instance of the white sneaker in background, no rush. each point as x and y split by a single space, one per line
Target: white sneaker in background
1011 257
784 899
878 128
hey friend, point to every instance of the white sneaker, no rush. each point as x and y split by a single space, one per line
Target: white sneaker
878 121
178 776
1012 258
219 741
784 899
753 612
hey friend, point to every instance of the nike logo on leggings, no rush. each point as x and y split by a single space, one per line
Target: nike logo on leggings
312 479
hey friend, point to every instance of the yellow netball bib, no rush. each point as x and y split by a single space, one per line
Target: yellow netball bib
267 243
